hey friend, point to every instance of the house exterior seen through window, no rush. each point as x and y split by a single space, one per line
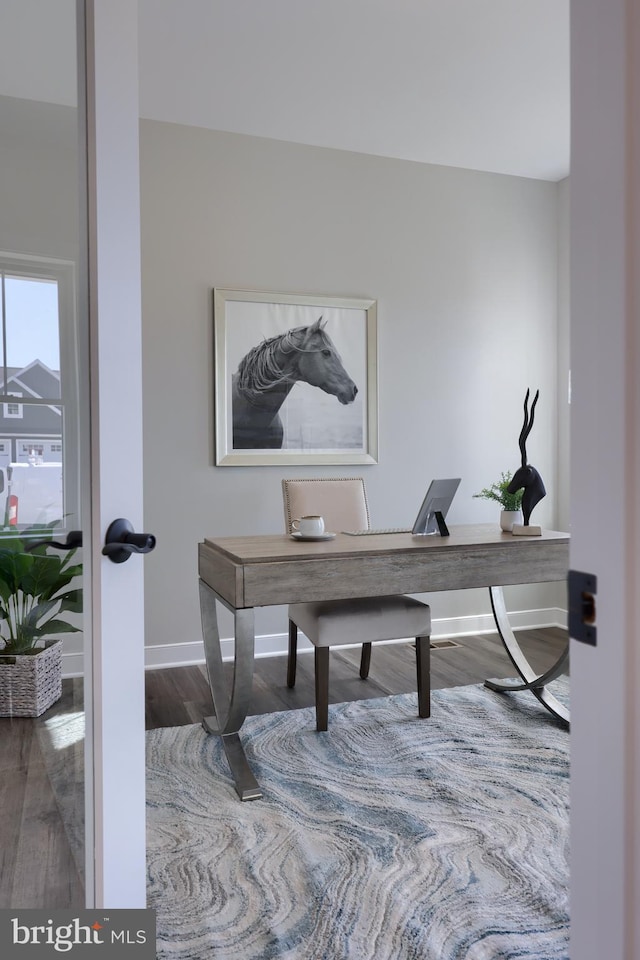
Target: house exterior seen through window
37 383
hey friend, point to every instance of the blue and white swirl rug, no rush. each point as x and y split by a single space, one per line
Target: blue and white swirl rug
387 837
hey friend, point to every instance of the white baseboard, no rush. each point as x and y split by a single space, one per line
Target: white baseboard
178 654
484 622
160 656
275 644
72 665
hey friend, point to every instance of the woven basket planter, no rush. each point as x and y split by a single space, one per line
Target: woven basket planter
30 683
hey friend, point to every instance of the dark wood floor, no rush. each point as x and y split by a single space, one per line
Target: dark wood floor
36 865
181 695
37 868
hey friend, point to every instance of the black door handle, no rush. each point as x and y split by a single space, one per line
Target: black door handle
73 541
121 541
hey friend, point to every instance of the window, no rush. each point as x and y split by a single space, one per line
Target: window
39 375
13 411
29 449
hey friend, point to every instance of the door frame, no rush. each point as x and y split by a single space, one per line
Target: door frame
114 664
605 467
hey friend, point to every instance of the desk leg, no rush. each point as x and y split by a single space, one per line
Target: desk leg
531 680
230 705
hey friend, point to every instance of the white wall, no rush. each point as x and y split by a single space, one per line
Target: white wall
464 267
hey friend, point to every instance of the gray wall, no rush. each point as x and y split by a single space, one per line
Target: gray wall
464 267
39 186
469 271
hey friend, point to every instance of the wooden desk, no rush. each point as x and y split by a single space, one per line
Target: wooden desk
247 572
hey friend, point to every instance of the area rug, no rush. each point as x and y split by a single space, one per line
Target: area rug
385 837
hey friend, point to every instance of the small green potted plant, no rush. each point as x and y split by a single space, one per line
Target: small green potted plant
511 503
35 588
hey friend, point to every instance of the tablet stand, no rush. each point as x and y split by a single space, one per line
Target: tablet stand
442 527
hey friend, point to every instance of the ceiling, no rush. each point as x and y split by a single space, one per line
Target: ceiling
482 84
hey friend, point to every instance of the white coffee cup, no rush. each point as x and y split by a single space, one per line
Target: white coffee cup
310 526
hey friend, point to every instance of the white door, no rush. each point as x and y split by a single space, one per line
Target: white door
69 233
605 465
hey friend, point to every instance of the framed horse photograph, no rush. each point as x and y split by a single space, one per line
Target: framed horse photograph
295 379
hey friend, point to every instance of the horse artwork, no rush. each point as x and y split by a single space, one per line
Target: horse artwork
527 476
267 374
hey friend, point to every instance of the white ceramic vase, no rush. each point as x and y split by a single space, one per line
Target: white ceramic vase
508 518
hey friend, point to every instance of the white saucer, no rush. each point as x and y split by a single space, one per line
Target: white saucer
318 536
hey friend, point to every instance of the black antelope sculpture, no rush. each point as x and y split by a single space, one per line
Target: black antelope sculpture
527 476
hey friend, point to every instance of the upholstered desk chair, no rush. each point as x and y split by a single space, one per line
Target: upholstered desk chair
343 504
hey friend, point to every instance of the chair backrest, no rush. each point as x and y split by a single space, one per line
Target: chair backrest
342 501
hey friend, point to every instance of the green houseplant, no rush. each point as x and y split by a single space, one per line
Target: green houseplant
511 503
36 587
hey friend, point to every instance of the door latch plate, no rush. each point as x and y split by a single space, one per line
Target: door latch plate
582 589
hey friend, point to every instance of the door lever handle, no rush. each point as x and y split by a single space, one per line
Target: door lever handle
74 540
121 541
